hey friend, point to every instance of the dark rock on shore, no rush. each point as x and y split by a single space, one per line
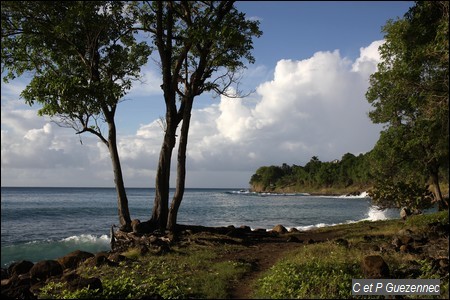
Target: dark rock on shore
374 267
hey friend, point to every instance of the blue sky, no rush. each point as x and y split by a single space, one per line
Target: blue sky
311 72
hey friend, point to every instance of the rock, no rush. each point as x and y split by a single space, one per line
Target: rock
100 259
20 267
17 291
45 269
5 274
76 282
245 228
374 267
279 229
293 230
342 242
73 259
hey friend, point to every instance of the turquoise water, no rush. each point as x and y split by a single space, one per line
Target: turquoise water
46 223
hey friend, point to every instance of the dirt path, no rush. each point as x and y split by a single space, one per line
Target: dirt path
263 255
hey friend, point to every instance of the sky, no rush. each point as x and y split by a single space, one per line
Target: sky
307 99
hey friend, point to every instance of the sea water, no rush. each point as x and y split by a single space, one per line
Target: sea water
47 223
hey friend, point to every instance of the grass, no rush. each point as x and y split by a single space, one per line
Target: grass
202 270
326 270
193 273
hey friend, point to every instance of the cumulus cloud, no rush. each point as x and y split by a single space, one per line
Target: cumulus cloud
310 107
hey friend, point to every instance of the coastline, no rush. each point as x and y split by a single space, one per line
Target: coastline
253 253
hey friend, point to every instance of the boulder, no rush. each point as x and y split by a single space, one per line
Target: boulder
45 269
76 282
73 259
245 228
374 267
20 267
99 259
279 229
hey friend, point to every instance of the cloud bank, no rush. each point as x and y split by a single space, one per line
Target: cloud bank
311 107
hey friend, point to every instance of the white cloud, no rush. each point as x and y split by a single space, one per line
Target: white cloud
149 84
311 107
368 59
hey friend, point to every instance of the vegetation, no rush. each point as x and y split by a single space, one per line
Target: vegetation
202 47
350 173
326 270
202 267
196 272
83 57
409 94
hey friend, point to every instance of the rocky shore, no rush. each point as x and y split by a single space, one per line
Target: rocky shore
24 279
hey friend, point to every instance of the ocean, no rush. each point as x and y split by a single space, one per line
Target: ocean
47 223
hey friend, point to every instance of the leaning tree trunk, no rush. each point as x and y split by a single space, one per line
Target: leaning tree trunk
122 200
181 166
442 203
161 203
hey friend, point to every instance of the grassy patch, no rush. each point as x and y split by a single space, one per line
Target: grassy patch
196 273
314 271
326 270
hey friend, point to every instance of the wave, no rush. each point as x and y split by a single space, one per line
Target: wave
248 192
262 194
362 195
52 249
373 214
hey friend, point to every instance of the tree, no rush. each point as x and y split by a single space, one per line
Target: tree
409 94
201 46
83 57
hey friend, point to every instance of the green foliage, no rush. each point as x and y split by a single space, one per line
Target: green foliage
350 170
194 274
326 274
409 94
83 57
423 221
401 194
59 290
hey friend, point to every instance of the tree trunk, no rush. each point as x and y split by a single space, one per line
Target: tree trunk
442 203
181 166
122 201
162 185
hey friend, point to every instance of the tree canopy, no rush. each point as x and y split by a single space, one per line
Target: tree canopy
409 94
202 46
83 57
351 171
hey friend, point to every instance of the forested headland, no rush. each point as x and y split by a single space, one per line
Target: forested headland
348 175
